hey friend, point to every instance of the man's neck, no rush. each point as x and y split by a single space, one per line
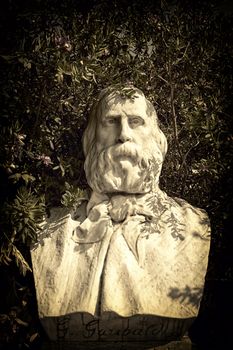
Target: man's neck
97 198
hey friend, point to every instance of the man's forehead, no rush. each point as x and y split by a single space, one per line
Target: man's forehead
116 103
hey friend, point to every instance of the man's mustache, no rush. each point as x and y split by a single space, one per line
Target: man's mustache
126 150
129 150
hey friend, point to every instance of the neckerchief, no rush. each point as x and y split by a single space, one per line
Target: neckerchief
108 214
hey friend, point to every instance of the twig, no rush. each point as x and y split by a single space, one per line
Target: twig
186 154
159 76
173 111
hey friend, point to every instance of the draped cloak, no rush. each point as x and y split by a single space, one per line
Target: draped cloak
127 254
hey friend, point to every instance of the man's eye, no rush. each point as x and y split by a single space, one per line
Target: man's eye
135 121
111 121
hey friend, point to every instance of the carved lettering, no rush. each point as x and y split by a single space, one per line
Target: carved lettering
91 329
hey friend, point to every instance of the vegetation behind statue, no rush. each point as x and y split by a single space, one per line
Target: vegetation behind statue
54 66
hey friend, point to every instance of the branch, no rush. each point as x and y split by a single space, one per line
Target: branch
159 76
173 111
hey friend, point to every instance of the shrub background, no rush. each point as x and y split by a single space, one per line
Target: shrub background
55 58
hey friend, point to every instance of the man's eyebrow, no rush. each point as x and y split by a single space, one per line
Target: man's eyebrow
112 116
136 116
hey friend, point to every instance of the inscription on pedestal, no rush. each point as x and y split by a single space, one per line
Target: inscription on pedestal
84 327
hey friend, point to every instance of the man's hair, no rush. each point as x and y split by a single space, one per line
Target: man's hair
125 92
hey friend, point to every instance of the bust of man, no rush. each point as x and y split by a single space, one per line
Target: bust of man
131 251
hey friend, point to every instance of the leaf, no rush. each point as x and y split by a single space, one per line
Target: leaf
28 178
62 170
8 58
16 177
20 261
73 196
51 144
4 318
4 257
22 323
33 337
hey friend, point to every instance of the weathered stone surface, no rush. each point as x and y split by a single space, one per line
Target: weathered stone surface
129 264
183 344
150 273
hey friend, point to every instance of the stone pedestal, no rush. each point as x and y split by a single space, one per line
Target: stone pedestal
82 327
183 344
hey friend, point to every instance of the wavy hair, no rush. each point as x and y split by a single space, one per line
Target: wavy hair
89 136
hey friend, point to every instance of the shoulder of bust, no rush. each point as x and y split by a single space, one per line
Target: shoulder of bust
62 214
187 206
195 217
58 219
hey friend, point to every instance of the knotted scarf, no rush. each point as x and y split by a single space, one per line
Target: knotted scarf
108 214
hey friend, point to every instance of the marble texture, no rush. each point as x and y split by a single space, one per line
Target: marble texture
130 255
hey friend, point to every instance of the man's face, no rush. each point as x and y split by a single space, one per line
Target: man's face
126 156
123 120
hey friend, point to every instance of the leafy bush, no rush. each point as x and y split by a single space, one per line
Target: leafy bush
56 56
60 59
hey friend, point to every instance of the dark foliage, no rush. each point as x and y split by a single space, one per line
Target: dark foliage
55 57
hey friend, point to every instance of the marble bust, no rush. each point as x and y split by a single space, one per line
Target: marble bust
130 262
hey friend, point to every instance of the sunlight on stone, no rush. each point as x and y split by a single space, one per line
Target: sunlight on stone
132 267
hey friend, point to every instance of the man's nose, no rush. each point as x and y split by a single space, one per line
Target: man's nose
125 132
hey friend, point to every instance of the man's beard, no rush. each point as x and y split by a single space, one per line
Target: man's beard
123 167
